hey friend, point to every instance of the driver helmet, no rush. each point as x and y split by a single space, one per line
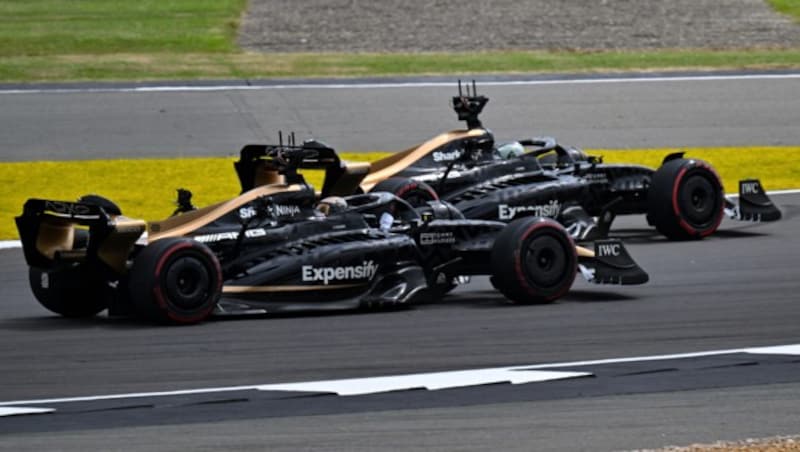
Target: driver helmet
331 205
510 150
578 155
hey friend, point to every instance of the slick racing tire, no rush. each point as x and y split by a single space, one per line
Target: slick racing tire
686 199
533 261
176 281
95 200
69 292
415 193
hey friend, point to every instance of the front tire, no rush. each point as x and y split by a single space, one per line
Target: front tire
533 261
414 192
686 200
175 280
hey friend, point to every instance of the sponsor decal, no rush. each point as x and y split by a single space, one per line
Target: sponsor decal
282 210
435 238
68 208
366 270
440 156
551 209
233 235
596 177
750 188
608 249
247 212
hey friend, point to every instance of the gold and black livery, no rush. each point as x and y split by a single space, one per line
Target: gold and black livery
280 245
491 180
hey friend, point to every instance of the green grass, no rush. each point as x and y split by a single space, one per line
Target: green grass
101 27
58 40
139 186
788 7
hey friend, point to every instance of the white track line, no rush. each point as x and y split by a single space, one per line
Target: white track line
19 411
435 380
266 87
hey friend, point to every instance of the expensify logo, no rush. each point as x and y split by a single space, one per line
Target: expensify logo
551 209
366 270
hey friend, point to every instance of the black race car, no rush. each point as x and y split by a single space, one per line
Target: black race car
683 198
279 245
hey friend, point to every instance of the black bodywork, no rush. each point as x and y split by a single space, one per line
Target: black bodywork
272 247
546 179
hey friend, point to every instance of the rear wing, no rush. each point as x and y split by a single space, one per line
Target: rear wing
55 233
260 164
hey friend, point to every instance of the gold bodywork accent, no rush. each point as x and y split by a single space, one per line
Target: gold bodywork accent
263 175
185 223
348 182
584 252
389 166
116 248
55 235
260 289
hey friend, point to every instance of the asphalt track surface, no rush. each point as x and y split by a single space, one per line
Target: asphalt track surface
735 290
62 122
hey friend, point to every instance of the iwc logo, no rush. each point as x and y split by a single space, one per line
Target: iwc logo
551 210
366 270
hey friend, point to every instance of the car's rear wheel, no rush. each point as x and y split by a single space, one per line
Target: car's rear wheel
414 192
69 292
175 280
686 199
533 261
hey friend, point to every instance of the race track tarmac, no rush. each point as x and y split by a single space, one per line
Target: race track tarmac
731 292
590 111
735 290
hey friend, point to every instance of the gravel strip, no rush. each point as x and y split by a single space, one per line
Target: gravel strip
449 25
776 444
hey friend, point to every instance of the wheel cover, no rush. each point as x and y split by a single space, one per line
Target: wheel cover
545 261
698 201
187 283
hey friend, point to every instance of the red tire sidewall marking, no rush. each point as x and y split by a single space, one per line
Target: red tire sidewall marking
520 274
412 186
676 209
158 294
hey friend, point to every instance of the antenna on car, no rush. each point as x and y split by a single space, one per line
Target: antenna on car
470 106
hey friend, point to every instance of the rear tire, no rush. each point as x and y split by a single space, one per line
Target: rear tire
686 200
533 261
70 292
414 192
175 280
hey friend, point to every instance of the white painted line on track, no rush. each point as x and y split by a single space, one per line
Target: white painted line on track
378 85
19 411
431 381
10 244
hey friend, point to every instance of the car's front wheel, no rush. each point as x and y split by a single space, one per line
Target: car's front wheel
686 199
533 261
